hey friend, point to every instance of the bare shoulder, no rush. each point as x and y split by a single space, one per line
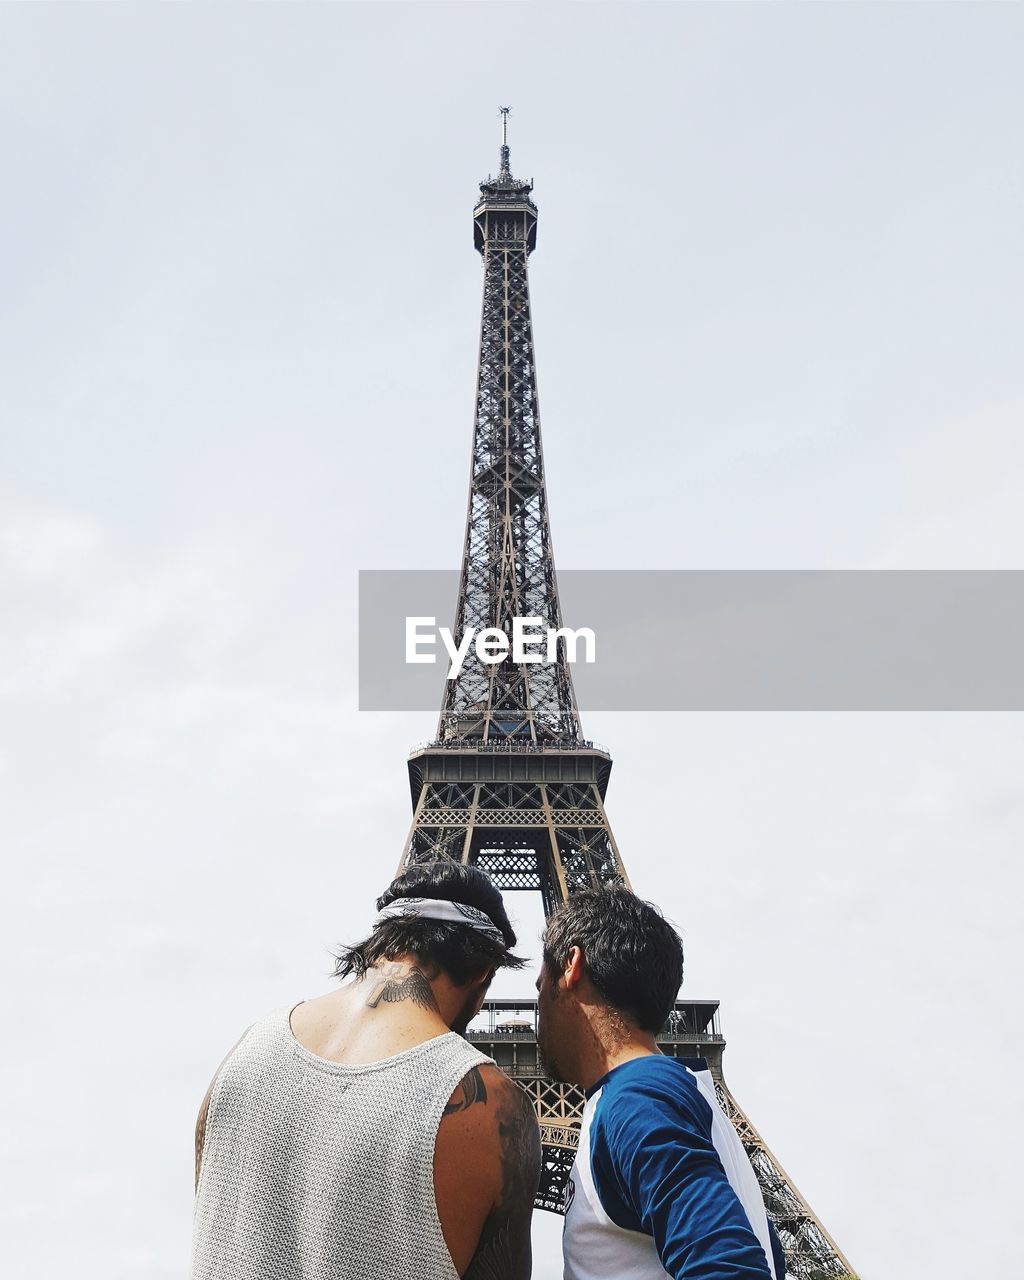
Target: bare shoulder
485 1084
487 1103
486 1169
517 1129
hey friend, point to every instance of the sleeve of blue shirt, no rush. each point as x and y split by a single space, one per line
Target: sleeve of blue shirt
778 1253
656 1171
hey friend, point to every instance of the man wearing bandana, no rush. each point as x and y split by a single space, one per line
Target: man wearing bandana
358 1136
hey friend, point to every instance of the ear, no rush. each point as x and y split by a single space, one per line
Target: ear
575 968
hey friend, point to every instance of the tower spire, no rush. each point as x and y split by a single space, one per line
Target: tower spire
504 171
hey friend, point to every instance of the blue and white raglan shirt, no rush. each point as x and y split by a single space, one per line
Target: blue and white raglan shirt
661 1184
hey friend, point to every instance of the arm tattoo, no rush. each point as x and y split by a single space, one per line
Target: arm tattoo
473 1090
396 983
494 1258
504 1250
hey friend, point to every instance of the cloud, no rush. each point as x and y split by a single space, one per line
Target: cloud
80 612
45 545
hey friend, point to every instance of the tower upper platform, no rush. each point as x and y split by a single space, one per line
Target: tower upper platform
505 214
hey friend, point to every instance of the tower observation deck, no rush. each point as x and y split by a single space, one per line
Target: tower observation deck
509 782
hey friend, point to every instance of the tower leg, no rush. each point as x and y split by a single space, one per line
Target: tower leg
811 1253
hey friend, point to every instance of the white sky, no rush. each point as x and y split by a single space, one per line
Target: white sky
777 304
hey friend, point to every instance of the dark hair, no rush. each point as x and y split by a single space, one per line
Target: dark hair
633 955
460 951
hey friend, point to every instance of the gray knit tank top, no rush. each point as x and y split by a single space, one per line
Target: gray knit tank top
316 1170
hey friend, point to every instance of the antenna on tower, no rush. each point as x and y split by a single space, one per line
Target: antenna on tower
505 171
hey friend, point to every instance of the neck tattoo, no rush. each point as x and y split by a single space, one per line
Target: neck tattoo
394 983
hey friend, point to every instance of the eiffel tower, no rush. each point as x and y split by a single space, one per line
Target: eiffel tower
510 783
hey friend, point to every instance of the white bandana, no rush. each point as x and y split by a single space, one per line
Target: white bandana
441 909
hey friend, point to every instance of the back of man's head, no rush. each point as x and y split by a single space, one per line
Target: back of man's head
461 952
633 956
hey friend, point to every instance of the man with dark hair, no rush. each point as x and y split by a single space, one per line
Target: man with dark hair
358 1136
661 1184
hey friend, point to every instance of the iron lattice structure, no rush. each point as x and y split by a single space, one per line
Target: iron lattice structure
509 783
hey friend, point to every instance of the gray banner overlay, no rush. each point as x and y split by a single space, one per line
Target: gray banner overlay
739 640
